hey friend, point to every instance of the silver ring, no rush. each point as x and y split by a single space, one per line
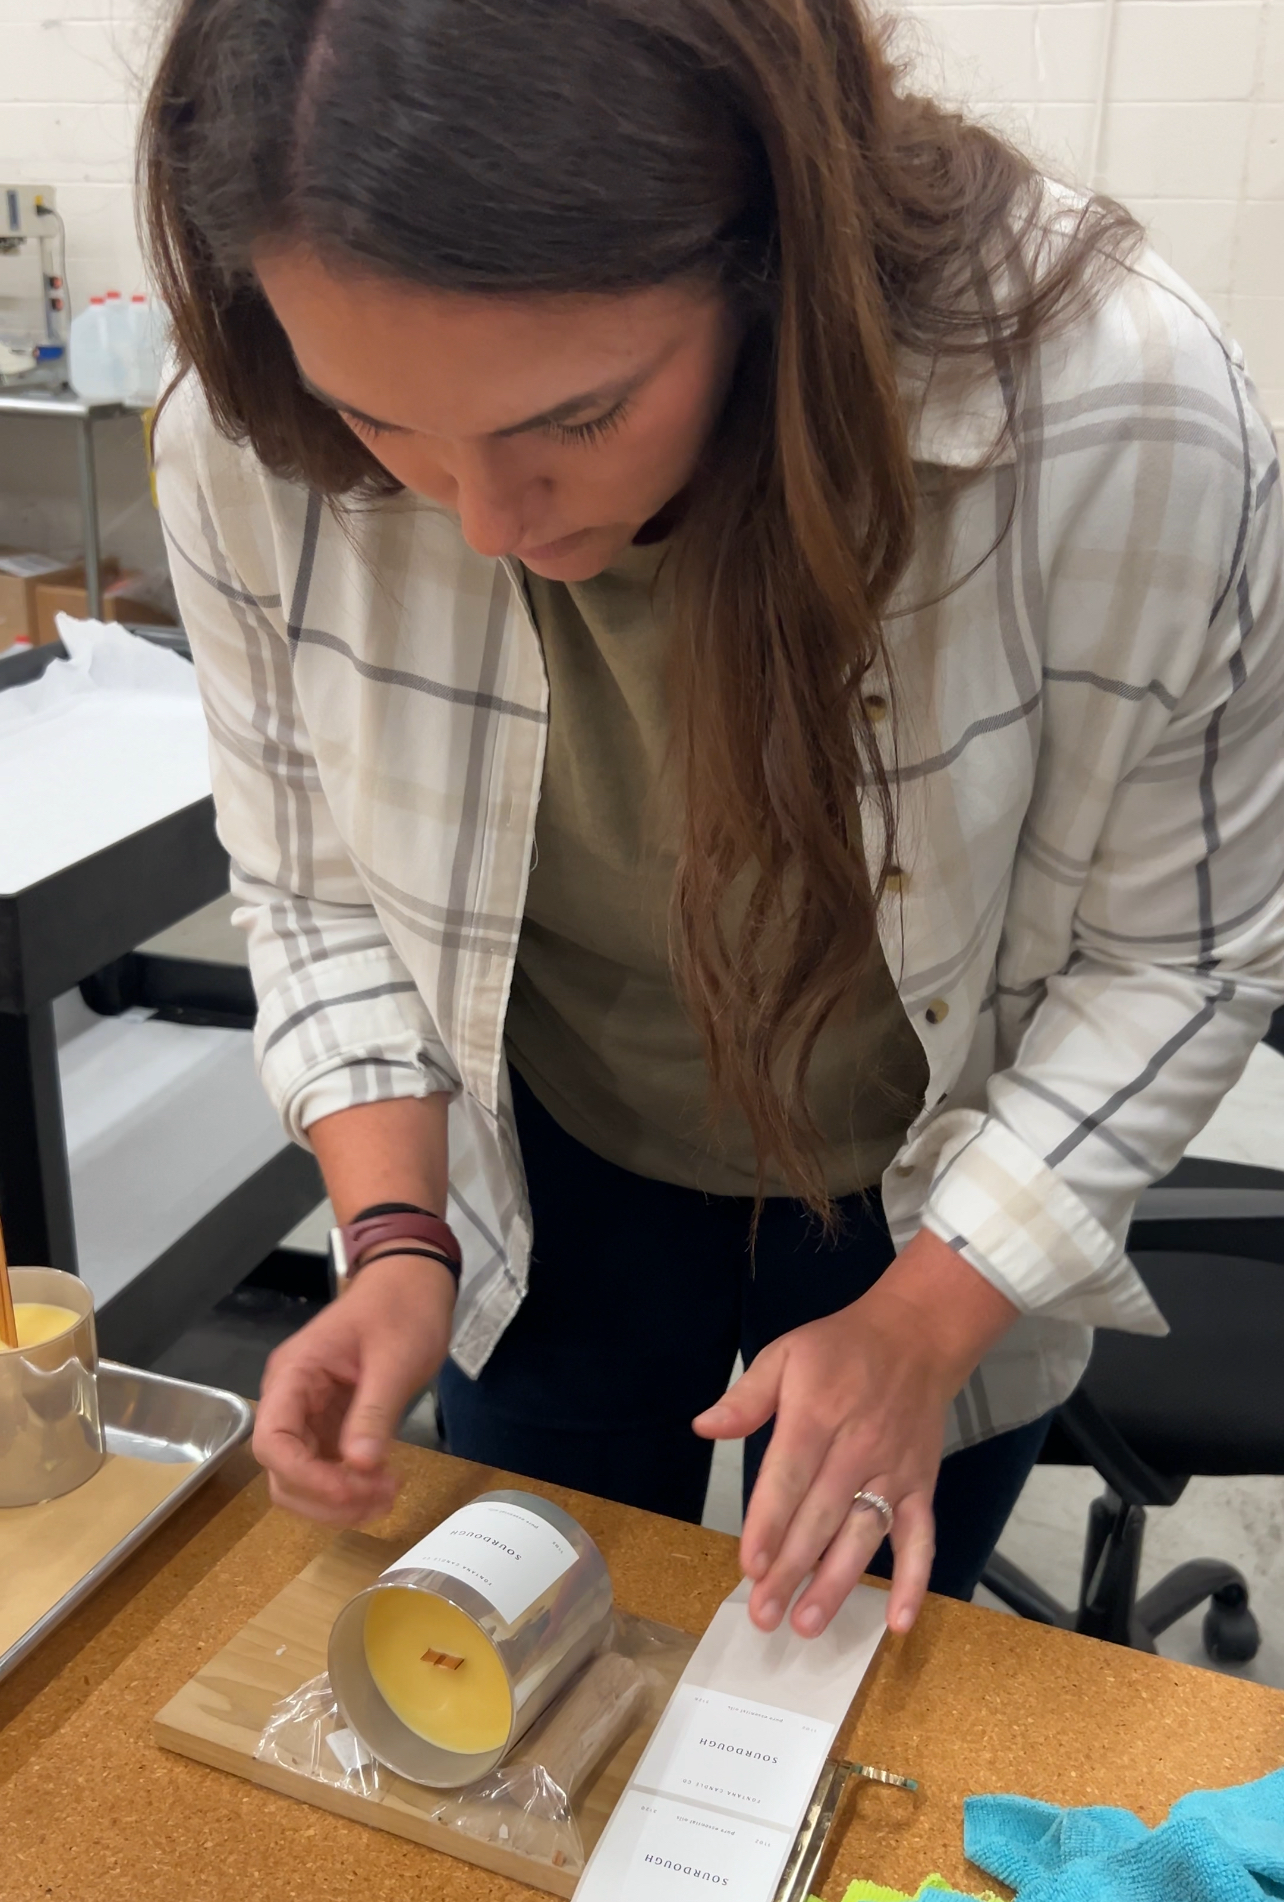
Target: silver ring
874 1502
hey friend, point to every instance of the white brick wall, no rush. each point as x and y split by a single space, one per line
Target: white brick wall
1192 133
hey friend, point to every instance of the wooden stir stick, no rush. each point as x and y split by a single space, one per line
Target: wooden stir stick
8 1321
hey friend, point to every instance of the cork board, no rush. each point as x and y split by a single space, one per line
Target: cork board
971 1701
45 1550
219 1716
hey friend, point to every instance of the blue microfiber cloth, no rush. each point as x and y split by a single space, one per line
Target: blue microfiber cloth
1215 1846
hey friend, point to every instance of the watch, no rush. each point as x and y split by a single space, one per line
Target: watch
390 1228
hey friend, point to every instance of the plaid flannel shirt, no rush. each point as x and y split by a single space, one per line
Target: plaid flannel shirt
1088 763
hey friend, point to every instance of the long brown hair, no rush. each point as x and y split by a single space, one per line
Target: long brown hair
524 146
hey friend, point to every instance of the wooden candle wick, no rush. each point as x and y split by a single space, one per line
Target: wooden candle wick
443 1659
8 1320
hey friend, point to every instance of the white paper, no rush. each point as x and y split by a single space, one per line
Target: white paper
816 1676
656 1850
30 567
348 1750
101 745
733 1753
722 1788
504 1551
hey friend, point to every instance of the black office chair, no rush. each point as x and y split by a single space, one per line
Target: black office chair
1207 1399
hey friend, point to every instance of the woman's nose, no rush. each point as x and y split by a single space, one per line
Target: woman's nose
489 525
495 505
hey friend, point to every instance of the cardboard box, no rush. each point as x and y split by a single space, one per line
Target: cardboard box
21 572
123 600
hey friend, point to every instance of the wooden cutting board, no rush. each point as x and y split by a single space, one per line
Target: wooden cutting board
219 1715
45 1550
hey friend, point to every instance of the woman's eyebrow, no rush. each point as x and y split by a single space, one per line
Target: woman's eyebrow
610 394
347 409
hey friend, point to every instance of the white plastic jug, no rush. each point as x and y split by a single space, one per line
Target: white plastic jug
147 334
93 364
118 332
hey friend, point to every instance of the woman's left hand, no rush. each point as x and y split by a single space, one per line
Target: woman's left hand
859 1401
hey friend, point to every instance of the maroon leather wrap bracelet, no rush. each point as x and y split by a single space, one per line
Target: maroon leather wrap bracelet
380 1230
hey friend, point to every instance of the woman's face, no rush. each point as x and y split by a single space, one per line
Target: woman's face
553 427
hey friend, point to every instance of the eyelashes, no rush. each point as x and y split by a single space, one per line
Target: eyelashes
582 433
371 431
589 432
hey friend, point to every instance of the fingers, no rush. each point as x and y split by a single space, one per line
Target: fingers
749 1404
287 1442
333 1394
387 1379
847 1555
840 1570
788 1516
818 1513
371 1500
914 1544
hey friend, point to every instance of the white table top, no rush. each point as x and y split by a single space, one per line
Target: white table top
102 745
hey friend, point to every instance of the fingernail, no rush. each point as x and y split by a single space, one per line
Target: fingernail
811 1620
366 1452
758 1565
714 1416
769 1616
903 1621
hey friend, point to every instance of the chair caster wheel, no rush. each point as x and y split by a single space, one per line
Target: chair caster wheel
1231 1633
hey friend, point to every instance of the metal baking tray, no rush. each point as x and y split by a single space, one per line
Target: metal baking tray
149 1417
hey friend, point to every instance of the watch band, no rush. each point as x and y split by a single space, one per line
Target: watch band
388 1223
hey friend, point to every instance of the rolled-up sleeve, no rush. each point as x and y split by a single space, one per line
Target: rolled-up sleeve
341 1021
1178 928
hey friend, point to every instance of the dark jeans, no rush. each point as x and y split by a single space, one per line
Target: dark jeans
640 1295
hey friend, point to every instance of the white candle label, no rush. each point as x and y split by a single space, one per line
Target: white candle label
506 1552
656 1850
735 1754
715 1804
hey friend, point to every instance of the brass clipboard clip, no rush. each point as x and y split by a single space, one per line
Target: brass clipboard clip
809 1844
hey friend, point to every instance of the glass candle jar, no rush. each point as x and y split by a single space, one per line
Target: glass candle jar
51 1437
449 1657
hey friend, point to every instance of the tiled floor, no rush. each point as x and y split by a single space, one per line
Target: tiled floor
1240 1520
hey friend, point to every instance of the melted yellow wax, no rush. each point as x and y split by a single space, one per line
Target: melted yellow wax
40 1321
469 1710
466 1710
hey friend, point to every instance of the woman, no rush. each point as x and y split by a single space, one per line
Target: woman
741 633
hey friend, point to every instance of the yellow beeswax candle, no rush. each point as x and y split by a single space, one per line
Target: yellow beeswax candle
465 1706
39 1321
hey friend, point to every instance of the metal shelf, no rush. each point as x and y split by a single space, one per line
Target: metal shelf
62 403
64 406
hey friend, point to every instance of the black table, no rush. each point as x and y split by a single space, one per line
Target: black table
55 934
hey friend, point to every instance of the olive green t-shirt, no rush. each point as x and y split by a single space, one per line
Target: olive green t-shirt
595 1024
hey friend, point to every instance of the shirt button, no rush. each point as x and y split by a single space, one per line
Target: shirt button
875 706
937 1011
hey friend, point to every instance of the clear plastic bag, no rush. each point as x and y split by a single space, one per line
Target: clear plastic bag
306 1734
527 1803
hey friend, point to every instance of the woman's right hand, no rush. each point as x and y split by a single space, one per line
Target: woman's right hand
333 1394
